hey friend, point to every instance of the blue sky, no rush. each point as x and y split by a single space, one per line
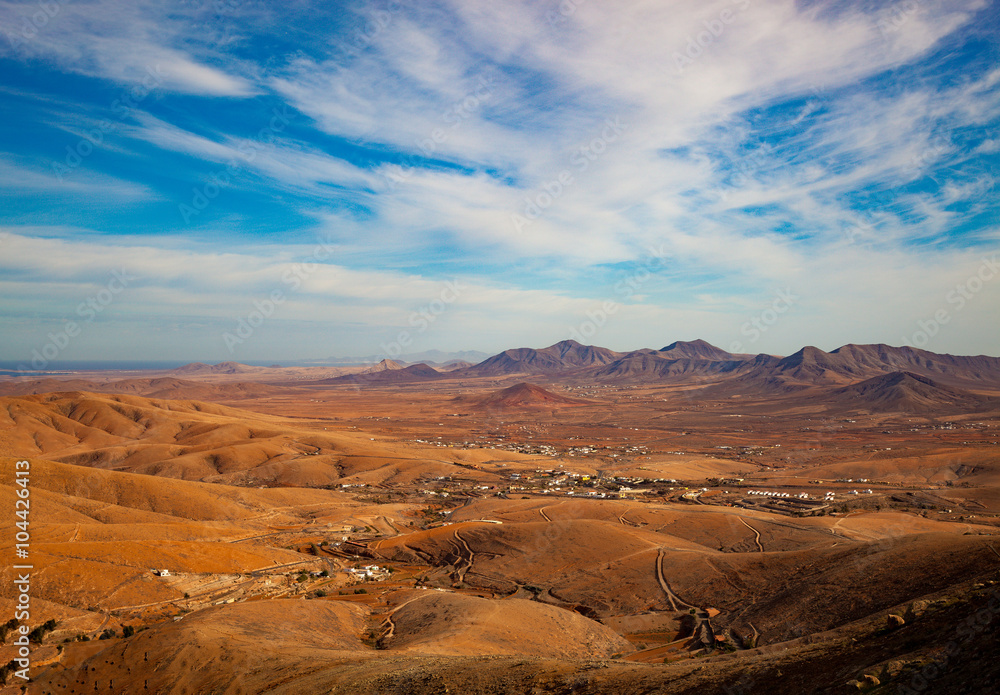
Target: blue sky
228 179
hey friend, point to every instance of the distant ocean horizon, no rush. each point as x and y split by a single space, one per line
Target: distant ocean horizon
16 368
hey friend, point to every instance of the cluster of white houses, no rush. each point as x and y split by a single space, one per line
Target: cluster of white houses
828 497
367 573
769 493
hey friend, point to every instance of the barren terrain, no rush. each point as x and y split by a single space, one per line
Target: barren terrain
565 520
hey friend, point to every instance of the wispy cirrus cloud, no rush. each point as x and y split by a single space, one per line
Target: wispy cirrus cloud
122 41
842 148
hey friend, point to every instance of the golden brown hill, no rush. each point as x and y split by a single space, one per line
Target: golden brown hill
452 624
242 648
713 528
605 569
199 441
95 535
291 647
95 493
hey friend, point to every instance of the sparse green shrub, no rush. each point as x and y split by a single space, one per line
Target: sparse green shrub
38 634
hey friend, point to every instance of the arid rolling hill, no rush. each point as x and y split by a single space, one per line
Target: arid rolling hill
200 441
451 624
905 392
626 555
521 396
400 375
560 357
605 568
385 365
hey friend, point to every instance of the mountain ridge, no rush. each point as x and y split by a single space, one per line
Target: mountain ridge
808 366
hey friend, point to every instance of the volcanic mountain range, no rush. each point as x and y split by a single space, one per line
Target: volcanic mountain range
532 534
808 366
878 378
698 359
678 361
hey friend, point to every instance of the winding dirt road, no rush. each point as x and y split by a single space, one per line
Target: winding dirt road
671 596
756 540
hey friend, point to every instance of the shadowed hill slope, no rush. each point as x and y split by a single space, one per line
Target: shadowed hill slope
909 393
523 396
453 624
560 357
606 569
